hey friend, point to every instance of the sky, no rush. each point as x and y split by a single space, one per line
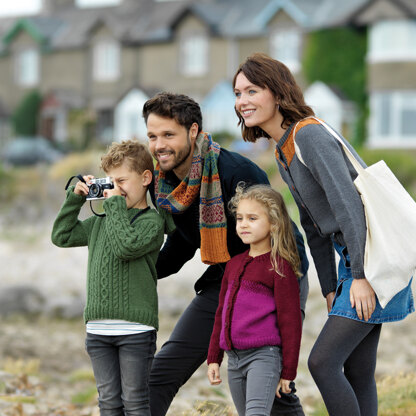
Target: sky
16 7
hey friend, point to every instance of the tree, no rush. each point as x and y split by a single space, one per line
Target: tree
337 57
25 117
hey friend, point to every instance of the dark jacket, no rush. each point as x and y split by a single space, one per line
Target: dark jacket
181 245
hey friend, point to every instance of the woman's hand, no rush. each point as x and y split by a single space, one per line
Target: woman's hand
329 299
214 374
362 298
284 385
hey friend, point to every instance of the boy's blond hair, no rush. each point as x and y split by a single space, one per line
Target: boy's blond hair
282 237
135 153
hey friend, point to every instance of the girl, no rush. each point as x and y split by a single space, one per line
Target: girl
258 320
270 104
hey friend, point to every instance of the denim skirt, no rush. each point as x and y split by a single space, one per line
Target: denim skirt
397 309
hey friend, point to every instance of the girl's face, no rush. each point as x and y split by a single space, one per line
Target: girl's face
257 105
253 225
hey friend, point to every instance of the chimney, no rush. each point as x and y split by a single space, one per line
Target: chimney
50 7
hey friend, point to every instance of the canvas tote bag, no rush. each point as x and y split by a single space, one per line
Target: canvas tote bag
390 212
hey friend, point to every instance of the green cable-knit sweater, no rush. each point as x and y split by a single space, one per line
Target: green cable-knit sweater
121 277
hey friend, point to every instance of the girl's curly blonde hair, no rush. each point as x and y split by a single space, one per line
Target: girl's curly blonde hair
282 238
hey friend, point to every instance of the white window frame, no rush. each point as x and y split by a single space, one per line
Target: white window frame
27 67
194 60
285 46
395 102
392 40
106 61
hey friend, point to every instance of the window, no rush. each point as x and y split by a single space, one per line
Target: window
104 126
106 61
285 47
194 55
392 40
393 118
27 67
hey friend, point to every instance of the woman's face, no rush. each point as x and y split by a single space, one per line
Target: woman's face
257 105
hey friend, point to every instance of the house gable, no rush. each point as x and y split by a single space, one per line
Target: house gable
100 30
27 27
376 10
189 23
278 7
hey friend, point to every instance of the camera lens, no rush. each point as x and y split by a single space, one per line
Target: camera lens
94 190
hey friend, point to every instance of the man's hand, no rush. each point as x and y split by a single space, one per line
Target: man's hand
329 299
81 188
362 298
283 385
214 374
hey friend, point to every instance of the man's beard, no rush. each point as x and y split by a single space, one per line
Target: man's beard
180 157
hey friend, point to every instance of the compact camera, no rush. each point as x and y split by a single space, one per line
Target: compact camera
97 186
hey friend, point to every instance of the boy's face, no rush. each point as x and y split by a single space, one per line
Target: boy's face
130 185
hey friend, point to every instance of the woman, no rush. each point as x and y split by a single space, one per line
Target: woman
270 104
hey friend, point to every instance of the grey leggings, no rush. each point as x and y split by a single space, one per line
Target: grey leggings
342 363
253 376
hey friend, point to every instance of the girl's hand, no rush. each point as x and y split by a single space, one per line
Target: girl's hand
214 374
81 188
329 299
362 298
284 385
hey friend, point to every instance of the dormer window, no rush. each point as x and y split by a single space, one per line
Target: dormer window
285 46
392 40
106 61
28 67
194 55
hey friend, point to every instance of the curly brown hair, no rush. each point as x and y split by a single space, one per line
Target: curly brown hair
282 237
135 153
266 72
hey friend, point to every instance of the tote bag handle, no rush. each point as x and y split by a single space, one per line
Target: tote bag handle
357 166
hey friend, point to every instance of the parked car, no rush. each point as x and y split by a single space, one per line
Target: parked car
25 151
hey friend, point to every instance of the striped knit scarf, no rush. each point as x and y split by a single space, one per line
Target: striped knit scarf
202 179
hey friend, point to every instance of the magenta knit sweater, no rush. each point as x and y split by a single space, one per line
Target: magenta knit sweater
258 307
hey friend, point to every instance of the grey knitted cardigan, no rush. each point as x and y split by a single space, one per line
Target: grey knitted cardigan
329 204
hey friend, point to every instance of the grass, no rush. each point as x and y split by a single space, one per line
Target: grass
397 395
87 396
19 399
20 366
82 375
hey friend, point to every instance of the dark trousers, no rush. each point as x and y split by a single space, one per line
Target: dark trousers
187 349
121 367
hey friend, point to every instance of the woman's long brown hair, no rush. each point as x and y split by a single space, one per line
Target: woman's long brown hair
266 72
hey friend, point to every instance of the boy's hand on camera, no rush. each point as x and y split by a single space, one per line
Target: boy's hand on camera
283 385
214 374
81 188
111 192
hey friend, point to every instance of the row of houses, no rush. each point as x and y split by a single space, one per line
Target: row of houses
105 62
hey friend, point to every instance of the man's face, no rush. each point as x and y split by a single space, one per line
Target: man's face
170 143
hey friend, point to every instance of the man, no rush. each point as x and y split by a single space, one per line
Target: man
194 180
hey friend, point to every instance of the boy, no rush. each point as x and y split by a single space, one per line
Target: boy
121 313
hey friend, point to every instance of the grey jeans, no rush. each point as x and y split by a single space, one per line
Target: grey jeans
253 376
121 367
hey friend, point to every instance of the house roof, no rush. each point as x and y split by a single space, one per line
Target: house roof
406 7
41 28
147 21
